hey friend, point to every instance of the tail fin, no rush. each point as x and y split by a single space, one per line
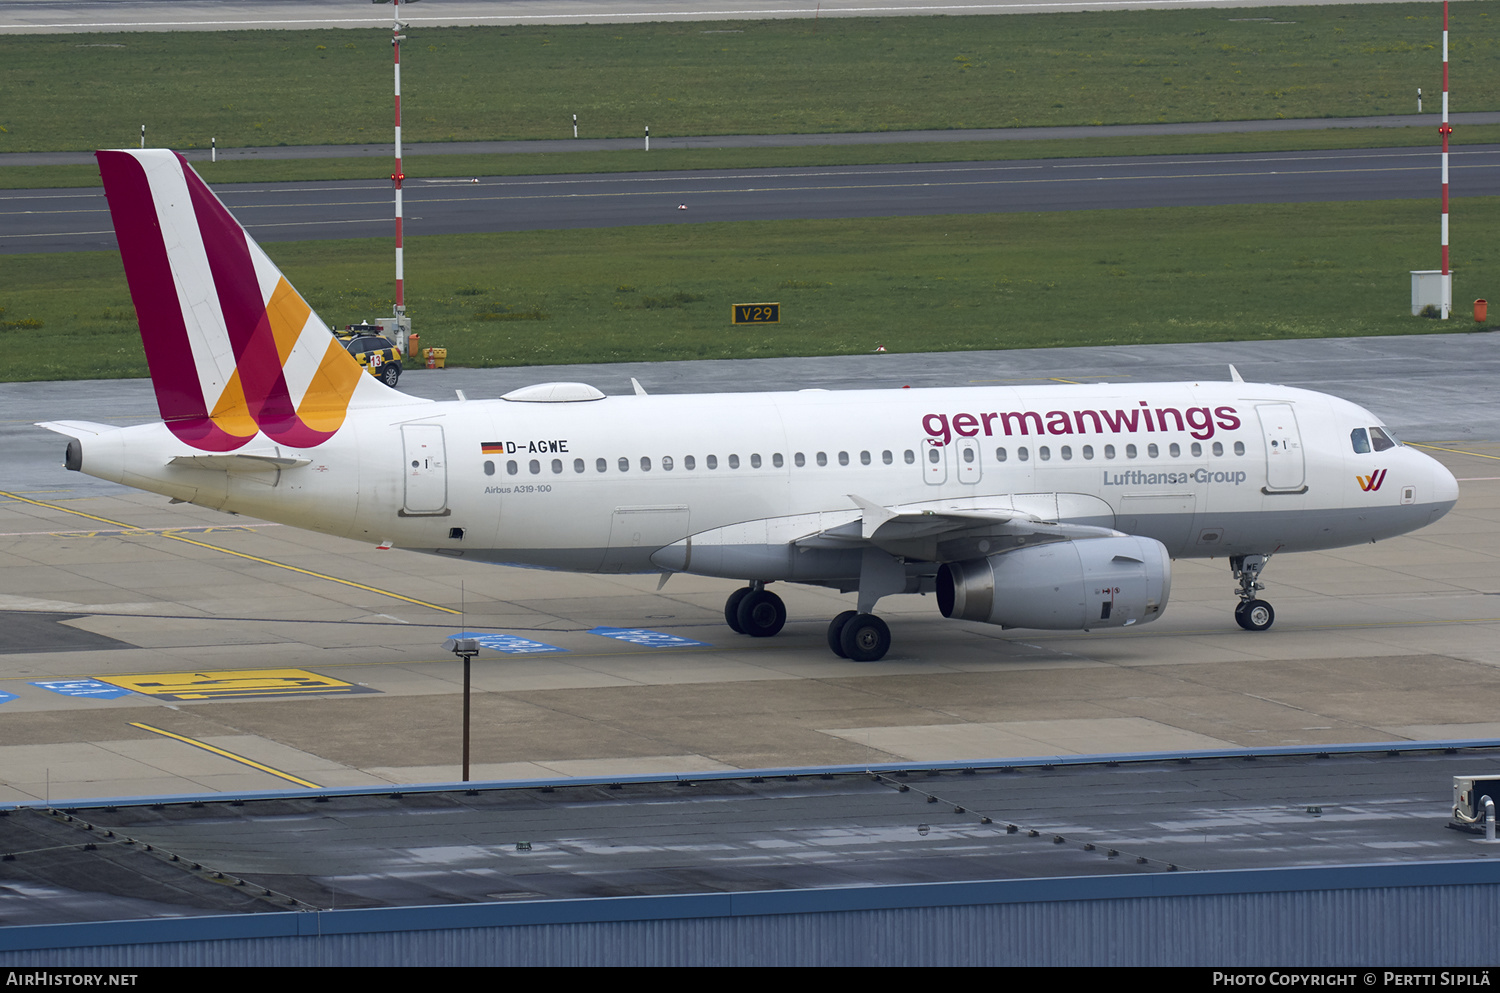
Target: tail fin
233 350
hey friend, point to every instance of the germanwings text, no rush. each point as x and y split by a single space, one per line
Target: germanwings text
1199 422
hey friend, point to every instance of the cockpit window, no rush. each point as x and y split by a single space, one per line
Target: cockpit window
1380 440
1360 438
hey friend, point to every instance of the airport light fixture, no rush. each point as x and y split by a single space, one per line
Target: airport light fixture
466 649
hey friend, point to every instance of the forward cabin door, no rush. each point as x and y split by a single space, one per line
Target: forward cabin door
426 471
1285 467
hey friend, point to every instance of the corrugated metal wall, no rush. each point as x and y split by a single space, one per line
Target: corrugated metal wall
1202 919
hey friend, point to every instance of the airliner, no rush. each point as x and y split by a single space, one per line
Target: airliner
1057 507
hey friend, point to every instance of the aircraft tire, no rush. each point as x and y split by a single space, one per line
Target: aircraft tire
732 609
836 632
1255 615
865 638
761 614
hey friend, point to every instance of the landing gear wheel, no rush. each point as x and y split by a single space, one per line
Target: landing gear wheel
390 376
836 632
732 609
1254 615
761 614
865 638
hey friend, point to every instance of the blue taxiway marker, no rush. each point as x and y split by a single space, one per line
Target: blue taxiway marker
508 643
649 639
83 687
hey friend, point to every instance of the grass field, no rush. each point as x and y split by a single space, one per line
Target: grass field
846 286
537 164
846 74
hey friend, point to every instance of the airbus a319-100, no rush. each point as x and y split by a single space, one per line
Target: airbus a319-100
1058 507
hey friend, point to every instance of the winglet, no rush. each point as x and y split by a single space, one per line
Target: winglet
1234 374
874 515
635 385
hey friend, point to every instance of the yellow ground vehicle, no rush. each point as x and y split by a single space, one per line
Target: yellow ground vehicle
369 346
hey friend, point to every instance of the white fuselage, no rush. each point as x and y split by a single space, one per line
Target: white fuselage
1207 469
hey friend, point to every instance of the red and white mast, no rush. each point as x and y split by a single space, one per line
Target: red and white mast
1445 130
397 176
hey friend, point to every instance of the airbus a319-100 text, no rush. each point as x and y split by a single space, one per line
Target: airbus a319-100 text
1058 507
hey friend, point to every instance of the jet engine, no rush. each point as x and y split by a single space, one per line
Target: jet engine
1063 585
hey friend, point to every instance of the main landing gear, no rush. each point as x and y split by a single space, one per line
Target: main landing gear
758 612
1252 614
755 610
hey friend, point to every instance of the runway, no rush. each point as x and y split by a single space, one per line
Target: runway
78 220
138 632
66 16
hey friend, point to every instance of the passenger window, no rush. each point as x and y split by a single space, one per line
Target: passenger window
624 464
1067 453
556 466
822 458
1130 451
969 455
1044 453
645 464
843 458
1152 451
1197 450
1218 448
1109 451
777 460
1175 450
578 465
800 459
934 456
712 461
1022 454
887 457
511 467
864 458
489 468
1239 448
666 463
755 461
535 467
1379 441
689 463
1360 439
734 461
600 465
1088 451
999 455
910 456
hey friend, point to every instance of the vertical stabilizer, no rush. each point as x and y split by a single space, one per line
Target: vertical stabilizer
233 350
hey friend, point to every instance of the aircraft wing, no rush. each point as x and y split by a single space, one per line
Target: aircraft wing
950 530
936 531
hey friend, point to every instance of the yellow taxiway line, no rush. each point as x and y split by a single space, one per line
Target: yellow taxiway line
241 555
228 755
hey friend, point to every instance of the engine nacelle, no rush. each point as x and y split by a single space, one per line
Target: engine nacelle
1062 585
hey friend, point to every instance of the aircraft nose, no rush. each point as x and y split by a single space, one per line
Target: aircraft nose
1444 484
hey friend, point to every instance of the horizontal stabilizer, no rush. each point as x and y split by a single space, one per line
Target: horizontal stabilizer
77 429
238 462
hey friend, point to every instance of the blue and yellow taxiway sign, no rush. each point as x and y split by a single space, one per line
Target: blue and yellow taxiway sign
234 683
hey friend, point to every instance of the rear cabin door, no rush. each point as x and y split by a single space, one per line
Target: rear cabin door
426 471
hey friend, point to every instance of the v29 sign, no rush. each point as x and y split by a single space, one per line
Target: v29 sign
757 313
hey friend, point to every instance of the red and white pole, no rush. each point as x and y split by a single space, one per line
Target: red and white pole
397 177
1445 130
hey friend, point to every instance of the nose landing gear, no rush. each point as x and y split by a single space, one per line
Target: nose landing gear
1252 614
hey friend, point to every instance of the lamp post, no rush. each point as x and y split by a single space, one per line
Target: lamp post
466 649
